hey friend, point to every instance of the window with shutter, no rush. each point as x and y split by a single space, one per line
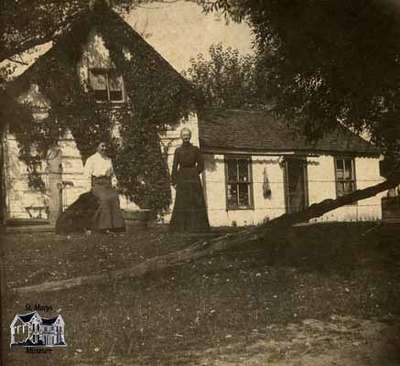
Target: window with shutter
107 85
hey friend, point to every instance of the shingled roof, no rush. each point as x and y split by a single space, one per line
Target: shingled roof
260 131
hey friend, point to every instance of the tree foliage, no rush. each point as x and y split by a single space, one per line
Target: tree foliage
329 60
326 60
227 79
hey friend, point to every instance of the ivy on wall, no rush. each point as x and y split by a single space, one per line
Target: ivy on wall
156 96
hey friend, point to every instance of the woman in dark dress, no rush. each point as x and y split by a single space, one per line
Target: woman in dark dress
190 213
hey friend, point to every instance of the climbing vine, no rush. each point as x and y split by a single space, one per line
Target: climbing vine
156 96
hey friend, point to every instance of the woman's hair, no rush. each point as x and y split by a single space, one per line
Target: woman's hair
185 129
101 143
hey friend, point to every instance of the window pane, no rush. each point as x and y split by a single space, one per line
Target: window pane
98 83
339 189
232 170
115 85
339 169
339 164
349 187
101 95
348 171
232 196
115 81
244 197
243 170
98 80
116 95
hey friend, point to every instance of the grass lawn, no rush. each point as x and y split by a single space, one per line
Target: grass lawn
316 295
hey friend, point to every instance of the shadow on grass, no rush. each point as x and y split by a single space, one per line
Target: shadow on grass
170 318
333 247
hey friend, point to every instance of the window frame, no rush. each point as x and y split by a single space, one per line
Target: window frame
249 183
106 72
343 180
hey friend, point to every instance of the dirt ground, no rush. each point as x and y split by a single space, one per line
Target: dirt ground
316 295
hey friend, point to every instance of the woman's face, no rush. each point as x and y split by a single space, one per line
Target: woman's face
186 136
102 148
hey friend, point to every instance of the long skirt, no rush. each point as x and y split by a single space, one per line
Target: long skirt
108 215
190 212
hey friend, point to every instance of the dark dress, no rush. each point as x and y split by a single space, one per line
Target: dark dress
108 215
190 212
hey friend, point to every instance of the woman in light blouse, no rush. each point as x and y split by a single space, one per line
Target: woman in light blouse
99 174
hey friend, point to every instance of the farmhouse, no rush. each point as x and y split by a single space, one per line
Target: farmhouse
101 78
33 330
99 81
258 168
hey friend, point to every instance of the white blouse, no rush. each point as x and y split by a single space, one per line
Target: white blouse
98 166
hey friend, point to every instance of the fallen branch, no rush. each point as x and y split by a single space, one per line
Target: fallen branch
17 61
210 247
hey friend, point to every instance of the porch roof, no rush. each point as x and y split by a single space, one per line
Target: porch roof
260 132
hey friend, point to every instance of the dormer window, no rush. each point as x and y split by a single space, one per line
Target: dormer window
107 85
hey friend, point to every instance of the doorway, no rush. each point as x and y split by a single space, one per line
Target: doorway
296 192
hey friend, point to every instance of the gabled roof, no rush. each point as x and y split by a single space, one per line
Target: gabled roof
27 317
67 51
260 131
49 321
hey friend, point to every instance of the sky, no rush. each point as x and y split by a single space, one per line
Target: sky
178 31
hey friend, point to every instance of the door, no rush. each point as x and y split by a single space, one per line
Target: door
296 193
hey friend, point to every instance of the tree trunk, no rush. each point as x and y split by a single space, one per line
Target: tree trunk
280 223
206 248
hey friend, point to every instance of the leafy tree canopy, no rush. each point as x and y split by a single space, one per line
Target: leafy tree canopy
227 79
326 60
329 60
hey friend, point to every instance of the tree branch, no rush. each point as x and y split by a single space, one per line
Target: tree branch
22 46
17 61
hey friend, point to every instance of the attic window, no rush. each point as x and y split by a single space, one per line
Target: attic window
107 85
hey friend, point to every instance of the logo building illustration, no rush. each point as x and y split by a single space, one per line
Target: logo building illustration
32 330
